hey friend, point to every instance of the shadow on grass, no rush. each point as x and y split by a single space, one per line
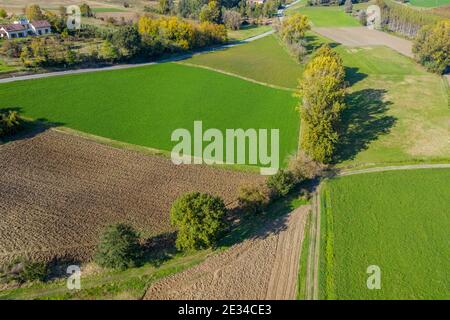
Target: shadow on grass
159 249
352 75
28 128
313 43
363 121
271 222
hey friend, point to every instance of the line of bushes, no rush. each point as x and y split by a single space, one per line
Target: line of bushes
403 19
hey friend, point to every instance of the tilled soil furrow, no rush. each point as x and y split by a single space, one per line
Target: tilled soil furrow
58 192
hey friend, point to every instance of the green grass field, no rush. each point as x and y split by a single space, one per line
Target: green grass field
397 112
429 3
143 105
388 120
101 10
263 60
327 16
246 32
399 221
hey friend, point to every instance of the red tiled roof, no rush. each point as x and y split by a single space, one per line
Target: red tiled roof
40 24
13 27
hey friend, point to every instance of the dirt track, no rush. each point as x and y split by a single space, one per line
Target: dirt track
262 267
362 36
58 191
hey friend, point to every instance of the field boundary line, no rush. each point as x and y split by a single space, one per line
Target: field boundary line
147 151
311 291
315 293
394 168
234 75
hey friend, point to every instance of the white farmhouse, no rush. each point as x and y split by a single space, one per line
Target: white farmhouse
24 28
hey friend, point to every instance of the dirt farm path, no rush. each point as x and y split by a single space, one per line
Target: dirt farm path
362 36
262 267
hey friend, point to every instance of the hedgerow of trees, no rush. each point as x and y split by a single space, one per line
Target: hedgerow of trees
403 19
330 2
322 89
432 47
171 34
292 31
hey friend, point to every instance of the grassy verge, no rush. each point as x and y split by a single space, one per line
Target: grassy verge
327 280
428 3
246 32
128 284
4 68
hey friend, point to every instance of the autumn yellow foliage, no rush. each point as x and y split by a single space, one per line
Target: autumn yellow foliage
322 89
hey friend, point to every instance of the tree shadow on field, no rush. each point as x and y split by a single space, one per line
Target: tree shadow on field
363 121
270 222
159 248
352 75
313 43
28 128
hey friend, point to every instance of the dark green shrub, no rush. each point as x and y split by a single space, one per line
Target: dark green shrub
281 183
10 122
119 247
198 217
252 199
23 270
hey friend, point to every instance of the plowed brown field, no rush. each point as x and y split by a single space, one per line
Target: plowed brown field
58 191
263 267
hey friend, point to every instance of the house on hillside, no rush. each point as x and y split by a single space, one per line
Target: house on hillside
24 28
256 1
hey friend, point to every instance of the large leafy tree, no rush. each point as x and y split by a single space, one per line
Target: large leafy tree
322 89
432 46
211 12
166 6
127 37
119 247
34 12
198 217
293 28
86 10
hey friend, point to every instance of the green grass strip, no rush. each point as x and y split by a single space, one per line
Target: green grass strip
301 288
329 246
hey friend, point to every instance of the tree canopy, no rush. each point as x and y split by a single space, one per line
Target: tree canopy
322 89
198 217
432 46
